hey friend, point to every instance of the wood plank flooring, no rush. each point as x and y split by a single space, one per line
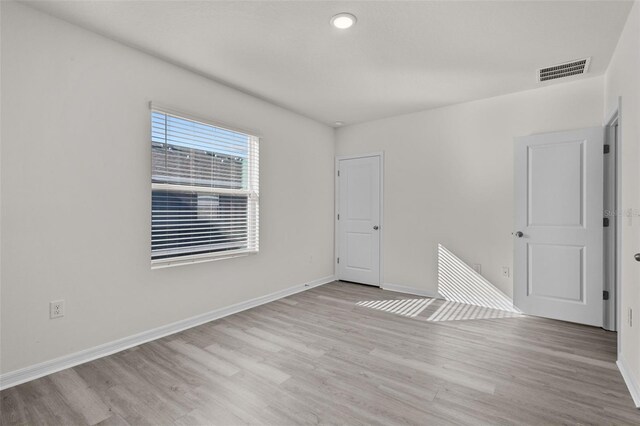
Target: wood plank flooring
320 358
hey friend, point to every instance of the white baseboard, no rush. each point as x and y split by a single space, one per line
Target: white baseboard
630 380
26 374
410 290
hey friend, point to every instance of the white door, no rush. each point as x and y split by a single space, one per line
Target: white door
558 254
358 221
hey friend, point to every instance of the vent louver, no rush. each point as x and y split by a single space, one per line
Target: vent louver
581 66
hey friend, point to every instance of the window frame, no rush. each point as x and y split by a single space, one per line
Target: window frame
252 192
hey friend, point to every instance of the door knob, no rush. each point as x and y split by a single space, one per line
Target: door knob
637 257
375 227
519 234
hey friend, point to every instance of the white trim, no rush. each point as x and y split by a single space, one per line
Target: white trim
613 113
336 225
200 258
352 157
32 372
615 116
154 106
410 290
194 188
381 153
615 175
336 203
632 384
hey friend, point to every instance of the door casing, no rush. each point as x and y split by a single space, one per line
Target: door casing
380 155
615 117
613 178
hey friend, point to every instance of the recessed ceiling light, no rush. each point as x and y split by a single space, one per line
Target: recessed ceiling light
338 123
343 20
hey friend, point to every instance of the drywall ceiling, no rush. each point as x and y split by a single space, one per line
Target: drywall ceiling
400 56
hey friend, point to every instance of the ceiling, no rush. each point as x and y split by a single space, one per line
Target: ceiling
400 56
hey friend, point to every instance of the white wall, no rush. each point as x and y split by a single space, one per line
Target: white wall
76 211
76 192
623 80
449 176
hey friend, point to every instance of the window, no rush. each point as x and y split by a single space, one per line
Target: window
204 185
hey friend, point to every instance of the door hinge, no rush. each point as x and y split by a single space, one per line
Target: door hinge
605 295
338 260
607 148
338 173
338 216
605 222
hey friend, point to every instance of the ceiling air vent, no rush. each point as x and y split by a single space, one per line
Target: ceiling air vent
581 66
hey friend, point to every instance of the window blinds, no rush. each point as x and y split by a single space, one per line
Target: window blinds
204 187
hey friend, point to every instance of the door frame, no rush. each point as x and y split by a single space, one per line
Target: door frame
336 225
615 118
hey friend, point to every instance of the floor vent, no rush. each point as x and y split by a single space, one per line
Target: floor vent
581 66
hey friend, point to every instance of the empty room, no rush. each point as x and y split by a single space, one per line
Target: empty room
319 212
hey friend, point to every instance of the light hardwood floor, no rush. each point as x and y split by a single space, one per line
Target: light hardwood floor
319 357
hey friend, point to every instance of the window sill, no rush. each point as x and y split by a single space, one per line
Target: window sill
208 257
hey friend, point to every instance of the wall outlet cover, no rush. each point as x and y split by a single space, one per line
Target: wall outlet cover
56 309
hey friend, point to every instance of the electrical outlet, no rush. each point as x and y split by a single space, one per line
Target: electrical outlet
505 272
56 309
477 267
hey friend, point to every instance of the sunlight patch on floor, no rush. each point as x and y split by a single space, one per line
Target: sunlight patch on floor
466 295
405 307
458 282
454 311
435 310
